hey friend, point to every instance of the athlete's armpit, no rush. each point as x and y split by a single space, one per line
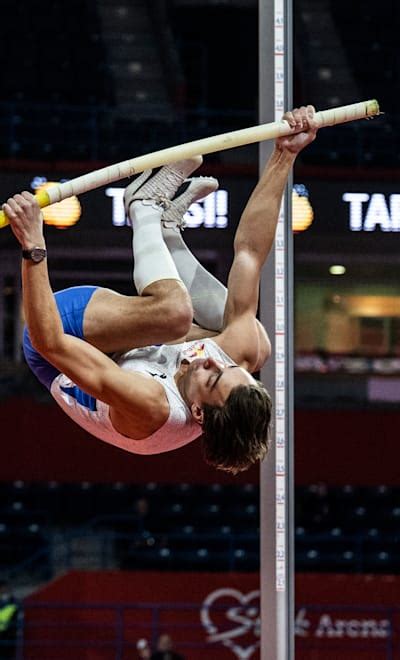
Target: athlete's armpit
246 342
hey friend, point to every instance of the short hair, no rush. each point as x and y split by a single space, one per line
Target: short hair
236 435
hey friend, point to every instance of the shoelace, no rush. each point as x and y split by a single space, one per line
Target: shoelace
157 200
176 214
177 208
176 225
169 178
154 195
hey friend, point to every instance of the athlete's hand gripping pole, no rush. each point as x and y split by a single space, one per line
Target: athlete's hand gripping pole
107 175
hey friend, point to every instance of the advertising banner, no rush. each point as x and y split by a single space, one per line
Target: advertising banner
209 615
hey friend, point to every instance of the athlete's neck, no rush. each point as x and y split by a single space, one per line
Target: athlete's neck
180 381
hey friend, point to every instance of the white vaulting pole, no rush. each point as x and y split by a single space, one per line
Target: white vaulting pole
276 479
126 168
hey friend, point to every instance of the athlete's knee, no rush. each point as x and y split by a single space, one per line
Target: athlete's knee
179 314
171 308
177 310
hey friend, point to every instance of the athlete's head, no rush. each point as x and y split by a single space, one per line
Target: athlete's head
233 409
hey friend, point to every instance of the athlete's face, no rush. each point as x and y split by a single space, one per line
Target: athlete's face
206 380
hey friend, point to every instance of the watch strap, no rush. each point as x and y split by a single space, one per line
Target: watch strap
35 254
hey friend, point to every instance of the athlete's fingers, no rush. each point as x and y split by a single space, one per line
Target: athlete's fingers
289 117
28 196
13 206
22 201
9 211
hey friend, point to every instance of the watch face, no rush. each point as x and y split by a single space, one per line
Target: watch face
38 254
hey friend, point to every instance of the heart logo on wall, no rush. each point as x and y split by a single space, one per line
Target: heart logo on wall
232 618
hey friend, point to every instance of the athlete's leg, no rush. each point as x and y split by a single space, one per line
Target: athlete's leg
163 311
208 295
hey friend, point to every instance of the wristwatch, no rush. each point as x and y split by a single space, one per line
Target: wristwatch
36 254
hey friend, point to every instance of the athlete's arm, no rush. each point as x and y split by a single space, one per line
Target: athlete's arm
243 337
132 397
197 332
89 368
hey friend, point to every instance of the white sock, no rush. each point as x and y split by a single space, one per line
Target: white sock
153 262
207 293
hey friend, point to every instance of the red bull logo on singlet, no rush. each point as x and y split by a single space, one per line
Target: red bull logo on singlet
193 352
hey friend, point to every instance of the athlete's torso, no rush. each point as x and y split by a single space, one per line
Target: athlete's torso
159 362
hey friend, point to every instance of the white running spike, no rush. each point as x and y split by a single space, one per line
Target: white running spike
161 187
198 188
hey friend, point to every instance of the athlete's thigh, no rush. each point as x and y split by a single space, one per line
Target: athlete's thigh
115 322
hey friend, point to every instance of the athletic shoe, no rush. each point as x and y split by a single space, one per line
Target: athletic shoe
159 188
196 189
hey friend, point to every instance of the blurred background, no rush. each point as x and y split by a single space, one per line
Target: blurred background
100 549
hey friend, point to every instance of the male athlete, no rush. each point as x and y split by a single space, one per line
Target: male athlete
167 381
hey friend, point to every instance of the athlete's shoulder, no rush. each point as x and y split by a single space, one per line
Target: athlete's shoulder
241 343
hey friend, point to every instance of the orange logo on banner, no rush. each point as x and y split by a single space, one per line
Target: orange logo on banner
63 214
302 211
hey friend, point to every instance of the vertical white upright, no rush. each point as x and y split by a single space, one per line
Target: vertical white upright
276 304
